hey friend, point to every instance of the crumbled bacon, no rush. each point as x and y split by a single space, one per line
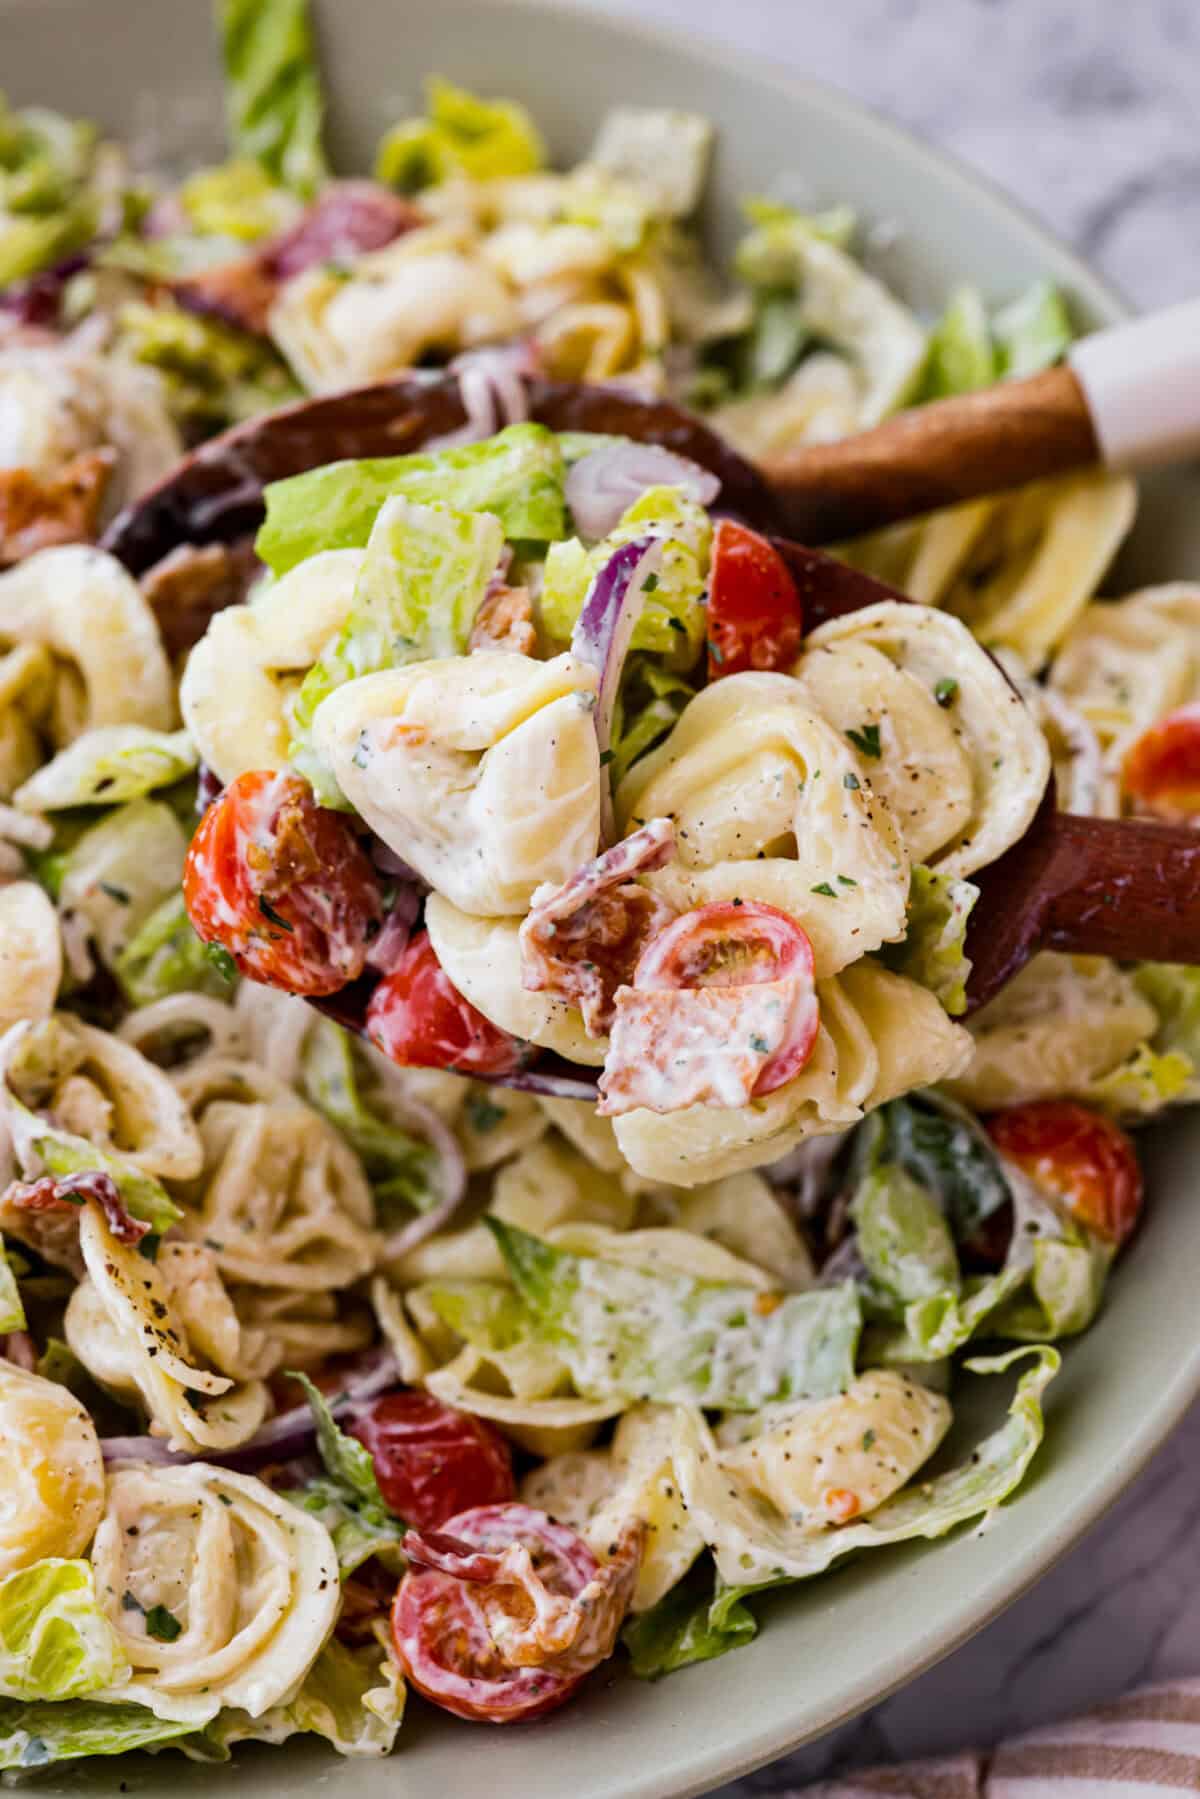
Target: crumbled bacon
504 622
38 512
581 941
293 855
349 219
72 1191
195 582
530 1626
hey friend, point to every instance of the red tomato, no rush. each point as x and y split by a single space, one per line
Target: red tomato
418 1017
1080 1156
1162 768
283 885
440 1631
732 944
754 614
431 1461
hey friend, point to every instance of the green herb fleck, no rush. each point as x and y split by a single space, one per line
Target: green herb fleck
760 1046
946 691
847 881
868 1439
119 894
221 960
482 1114
825 888
714 650
852 782
162 1625
268 911
649 585
866 741
606 757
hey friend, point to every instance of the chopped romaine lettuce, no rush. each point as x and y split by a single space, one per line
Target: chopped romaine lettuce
752 1547
116 872
904 1239
12 1312
460 135
273 89
1032 332
236 200
47 204
213 374
661 153
696 1621
353 1697
483 1313
962 356
672 620
649 702
938 1148
107 766
36 1734
626 1332
347 1499
931 951
1174 992
165 955
518 475
837 225
55 1641
1143 1084
400 1167
424 574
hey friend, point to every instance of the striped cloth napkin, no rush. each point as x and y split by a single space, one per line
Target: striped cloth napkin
1143 1746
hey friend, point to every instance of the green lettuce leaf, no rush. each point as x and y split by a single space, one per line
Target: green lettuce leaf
1032 332
37 1734
347 1499
752 1546
483 1313
55 1641
461 134
353 1697
660 153
836 225
518 475
1143 1083
932 952
12 1312
649 702
904 1240
213 374
107 766
425 572
938 1147
1063 1292
47 204
962 356
164 956
1174 992
273 89
628 1333
695 1622
237 199
672 620
400 1167
115 872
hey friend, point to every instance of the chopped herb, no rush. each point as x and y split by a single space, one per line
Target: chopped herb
268 911
606 757
946 691
649 585
482 1114
162 1625
760 1046
866 741
825 888
868 1439
714 650
221 960
119 894
131 1603
677 624
847 881
852 782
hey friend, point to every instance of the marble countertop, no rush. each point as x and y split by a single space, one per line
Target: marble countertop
1085 111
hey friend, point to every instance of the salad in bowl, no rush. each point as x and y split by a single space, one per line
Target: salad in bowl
496 1169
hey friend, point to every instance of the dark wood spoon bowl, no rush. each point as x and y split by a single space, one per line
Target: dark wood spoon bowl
1091 886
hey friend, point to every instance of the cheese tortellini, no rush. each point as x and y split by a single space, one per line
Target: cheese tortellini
999 746
51 1471
250 1581
241 675
127 1328
31 958
482 771
771 803
1019 568
880 1035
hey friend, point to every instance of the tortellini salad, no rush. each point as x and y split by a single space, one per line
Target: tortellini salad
497 1165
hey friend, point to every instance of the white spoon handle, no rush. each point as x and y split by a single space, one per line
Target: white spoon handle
1142 385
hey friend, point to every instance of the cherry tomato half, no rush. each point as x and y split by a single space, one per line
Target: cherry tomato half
283 885
431 1461
755 619
727 944
1079 1155
440 1631
1161 771
418 1018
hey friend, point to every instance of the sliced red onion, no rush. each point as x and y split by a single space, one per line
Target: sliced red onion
391 943
602 634
286 1435
804 1172
389 863
491 385
19 1348
553 1079
452 1174
604 484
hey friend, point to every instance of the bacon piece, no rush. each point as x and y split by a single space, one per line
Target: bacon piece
504 622
696 1046
37 512
72 1191
582 940
349 219
195 582
531 1626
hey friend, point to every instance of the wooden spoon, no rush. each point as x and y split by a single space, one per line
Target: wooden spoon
1092 886
1126 398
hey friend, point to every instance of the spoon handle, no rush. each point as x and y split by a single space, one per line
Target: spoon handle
1128 397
